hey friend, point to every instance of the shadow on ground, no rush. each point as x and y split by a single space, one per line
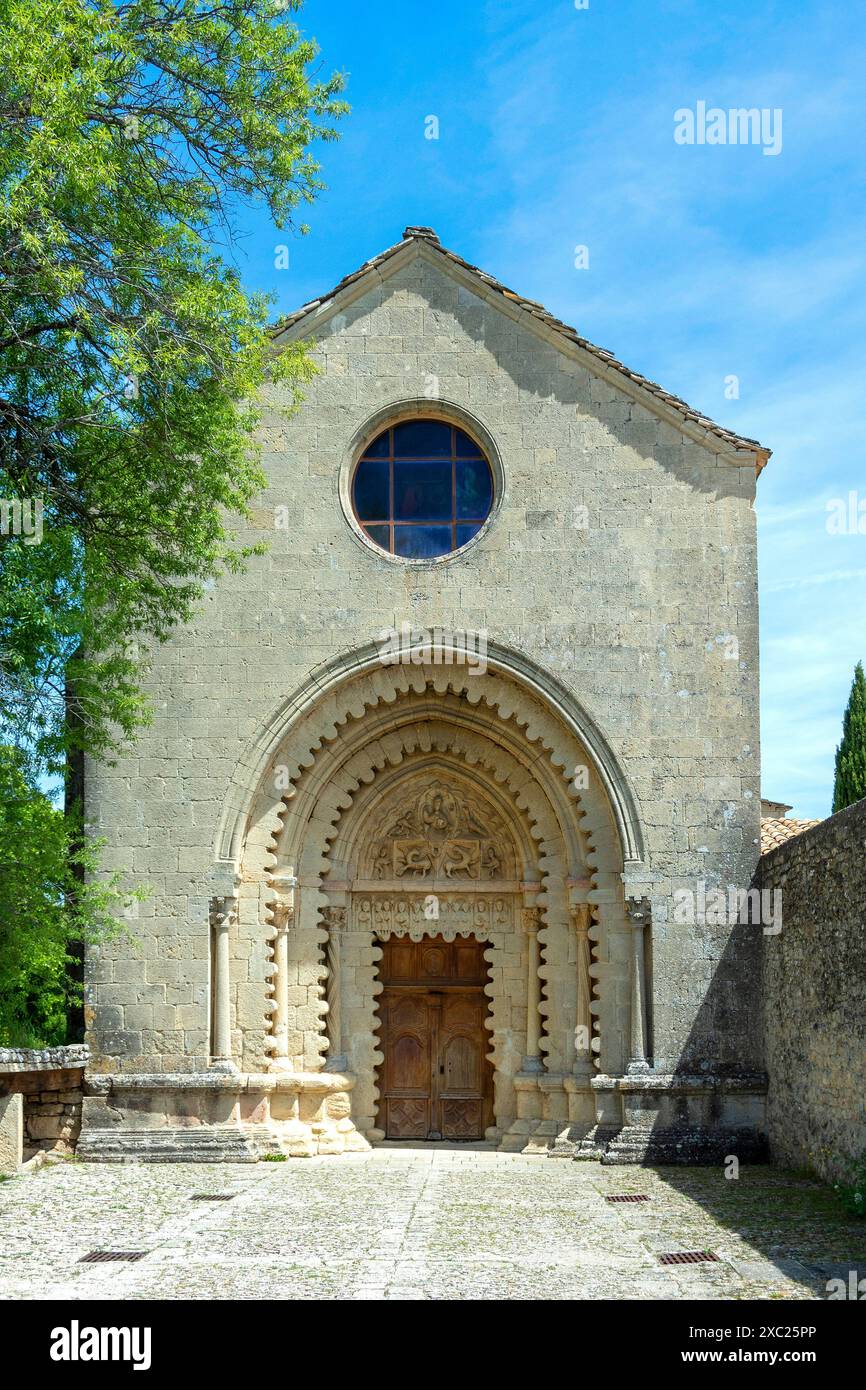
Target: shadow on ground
791 1220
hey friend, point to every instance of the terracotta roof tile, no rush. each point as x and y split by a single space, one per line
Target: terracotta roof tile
776 831
427 236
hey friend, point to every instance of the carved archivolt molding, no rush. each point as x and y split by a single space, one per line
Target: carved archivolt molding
348 684
335 759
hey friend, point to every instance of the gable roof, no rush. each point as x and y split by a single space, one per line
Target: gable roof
425 241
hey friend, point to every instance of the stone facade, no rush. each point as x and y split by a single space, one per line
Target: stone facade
50 1082
815 997
610 741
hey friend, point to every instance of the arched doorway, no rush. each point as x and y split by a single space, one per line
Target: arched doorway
410 790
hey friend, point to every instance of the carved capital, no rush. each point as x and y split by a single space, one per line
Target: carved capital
530 918
581 916
638 911
283 906
283 914
334 918
223 913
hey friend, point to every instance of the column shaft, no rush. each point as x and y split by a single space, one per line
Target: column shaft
532 1061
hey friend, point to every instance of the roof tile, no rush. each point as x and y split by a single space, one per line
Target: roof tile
428 237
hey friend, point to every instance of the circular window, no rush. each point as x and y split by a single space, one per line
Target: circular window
422 488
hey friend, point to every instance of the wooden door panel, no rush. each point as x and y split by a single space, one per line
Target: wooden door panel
409 1064
407 1118
462 1119
461 1065
435 1080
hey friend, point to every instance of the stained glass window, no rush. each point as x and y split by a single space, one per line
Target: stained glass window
422 488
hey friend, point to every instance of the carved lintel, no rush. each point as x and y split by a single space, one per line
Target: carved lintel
418 914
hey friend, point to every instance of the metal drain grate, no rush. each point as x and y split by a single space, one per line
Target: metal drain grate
212 1197
98 1257
689 1257
628 1197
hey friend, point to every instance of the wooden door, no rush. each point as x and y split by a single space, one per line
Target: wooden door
435 1081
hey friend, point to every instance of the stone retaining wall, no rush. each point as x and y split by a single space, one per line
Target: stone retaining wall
815 996
50 1081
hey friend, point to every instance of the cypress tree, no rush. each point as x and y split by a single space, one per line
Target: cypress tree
850 784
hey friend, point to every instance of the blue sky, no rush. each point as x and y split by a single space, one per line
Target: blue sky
705 261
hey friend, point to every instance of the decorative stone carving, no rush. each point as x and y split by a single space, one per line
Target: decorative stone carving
439 833
335 921
485 755
282 917
580 916
418 915
476 753
532 1062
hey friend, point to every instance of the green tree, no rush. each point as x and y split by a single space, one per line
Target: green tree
131 357
45 910
850 783
130 354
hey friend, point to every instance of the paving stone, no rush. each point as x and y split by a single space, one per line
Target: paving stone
417 1224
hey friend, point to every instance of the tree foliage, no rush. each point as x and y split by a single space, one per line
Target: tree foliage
850 783
130 353
45 908
131 357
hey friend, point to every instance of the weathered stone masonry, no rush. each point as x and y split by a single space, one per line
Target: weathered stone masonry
814 987
616 567
50 1084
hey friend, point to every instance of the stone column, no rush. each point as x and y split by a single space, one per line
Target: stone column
580 916
223 914
532 1061
283 918
638 913
335 922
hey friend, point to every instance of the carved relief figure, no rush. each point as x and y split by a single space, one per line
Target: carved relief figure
441 833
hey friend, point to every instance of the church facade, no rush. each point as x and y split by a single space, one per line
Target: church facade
430 787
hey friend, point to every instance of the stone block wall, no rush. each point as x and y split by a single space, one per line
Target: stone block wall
50 1080
646 615
815 996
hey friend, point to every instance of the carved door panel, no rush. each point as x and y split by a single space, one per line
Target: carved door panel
461 1090
435 1081
407 1044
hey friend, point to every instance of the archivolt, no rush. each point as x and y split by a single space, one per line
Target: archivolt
339 686
393 713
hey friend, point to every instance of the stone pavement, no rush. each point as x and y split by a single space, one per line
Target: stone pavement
419 1223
